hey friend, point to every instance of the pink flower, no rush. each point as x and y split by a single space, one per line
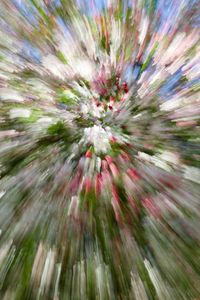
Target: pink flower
125 87
88 154
104 165
125 156
114 170
133 173
109 159
113 140
88 185
98 183
150 206
115 194
132 203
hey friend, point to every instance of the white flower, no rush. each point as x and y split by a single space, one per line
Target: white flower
99 137
19 113
53 65
85 69
2 193
45 120
143 29
9 94
192 174
84 108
